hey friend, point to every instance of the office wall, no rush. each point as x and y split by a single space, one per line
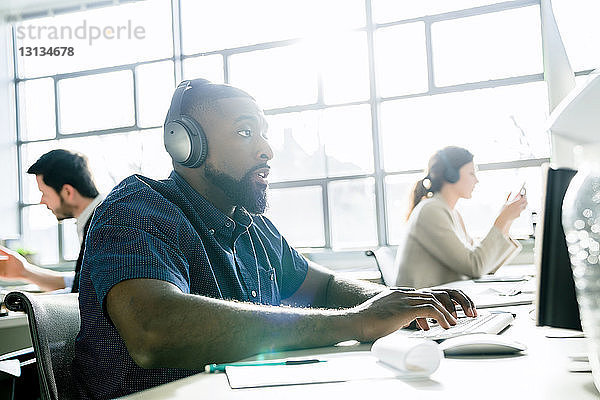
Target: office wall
9 223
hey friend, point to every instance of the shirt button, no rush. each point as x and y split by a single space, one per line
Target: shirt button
253 293
272 276
211 231
228 224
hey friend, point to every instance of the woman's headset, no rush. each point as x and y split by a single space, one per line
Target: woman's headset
451 174
184 137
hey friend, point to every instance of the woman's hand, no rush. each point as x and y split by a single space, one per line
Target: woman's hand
510 211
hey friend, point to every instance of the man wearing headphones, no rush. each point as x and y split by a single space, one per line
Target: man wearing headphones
186 271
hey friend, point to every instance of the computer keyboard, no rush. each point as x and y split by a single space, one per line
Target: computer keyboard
488 322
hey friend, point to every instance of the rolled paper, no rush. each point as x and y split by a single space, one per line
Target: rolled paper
412 356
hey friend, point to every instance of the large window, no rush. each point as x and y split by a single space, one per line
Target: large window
358 93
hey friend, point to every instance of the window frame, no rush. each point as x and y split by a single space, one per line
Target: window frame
374 101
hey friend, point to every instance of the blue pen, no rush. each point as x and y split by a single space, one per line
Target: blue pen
221 367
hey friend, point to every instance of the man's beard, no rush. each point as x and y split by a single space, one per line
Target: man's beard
244 192
63 211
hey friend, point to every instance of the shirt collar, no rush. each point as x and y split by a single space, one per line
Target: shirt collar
215 219
86 214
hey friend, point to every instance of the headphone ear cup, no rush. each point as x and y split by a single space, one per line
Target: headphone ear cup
451 174
185 142
177 141
199 149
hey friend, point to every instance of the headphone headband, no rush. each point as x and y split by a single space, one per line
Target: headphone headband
175 108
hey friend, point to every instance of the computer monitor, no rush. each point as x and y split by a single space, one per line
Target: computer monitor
556 302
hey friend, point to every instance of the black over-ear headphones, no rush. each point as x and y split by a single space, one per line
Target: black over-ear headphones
184 137
451 174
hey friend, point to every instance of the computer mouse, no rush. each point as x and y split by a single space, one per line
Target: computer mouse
481 344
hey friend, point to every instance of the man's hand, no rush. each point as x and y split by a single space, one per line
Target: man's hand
450 297
12 265
394 309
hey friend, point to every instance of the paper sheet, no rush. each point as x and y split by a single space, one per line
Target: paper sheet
393 356
337 369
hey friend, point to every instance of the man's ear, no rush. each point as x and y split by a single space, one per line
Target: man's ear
68 191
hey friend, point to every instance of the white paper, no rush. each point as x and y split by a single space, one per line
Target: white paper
411 356
336 369
11 367
393 356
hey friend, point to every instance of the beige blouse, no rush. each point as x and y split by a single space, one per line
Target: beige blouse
437 248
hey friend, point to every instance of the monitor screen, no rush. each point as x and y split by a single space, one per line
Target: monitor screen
556 301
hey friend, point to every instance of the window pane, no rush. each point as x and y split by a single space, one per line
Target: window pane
233 23
155 86
352 212
499 124
96 102
70 239
401 59
277 77
114 157
298 214
480 48
36 109
480 212
29 154
40 234
299 151
577 21
346 134
345 68
394 10
102 37
207 67
398 190
315 144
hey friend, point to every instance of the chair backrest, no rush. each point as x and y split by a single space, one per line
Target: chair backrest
384 257
54 324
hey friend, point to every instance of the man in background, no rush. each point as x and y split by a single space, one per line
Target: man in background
68 190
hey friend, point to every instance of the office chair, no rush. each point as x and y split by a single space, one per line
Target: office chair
54 324
384 258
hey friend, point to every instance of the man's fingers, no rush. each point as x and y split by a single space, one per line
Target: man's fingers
459 297
425 304
465 302
446 300
422 322
431 311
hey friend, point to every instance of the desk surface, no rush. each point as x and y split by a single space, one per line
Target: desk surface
13 319
540 373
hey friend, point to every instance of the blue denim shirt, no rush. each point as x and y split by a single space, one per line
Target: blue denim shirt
165 230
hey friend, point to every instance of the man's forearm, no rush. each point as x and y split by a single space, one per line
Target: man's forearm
44 278
192 331
345 293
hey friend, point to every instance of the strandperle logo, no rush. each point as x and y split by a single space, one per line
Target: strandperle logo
82 31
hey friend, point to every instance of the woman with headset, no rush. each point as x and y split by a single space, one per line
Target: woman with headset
437 248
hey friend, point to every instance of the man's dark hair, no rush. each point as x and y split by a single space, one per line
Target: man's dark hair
60 167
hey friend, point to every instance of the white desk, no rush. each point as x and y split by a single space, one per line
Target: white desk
541 373
14 332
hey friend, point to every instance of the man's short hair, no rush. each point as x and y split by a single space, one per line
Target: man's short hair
60 167
203 95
